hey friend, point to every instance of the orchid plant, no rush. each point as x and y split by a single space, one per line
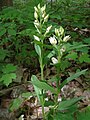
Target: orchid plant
57 41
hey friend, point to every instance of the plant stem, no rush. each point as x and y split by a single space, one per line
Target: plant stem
58 69
41 66
42 78
43 113
58 78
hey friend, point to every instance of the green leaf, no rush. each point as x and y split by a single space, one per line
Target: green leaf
42 85
27 94
87 40
83 49
3 54
7 78
11 32
51 54
64 64
38 93
16 104
49 103
9 68
47 56
72 109
63 105
38 50
2 31
72 55
75 45
84 115
84 58
60 116
72 77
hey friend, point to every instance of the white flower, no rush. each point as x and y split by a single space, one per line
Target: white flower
66 38
59 99
54 60
52 40
36 38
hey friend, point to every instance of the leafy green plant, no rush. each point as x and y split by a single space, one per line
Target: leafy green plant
8 74
16 35
58 42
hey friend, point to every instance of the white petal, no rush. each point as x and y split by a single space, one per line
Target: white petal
53 41
36 38
48 29
37 24
54 60
66 38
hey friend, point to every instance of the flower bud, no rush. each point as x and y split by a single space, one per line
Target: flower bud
52 40
35 15
46 18
66 38
36 22
54 60
43 8
38 6
57 32
62 50
36 9
36 38
43 15
37 29
48 29
61 30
